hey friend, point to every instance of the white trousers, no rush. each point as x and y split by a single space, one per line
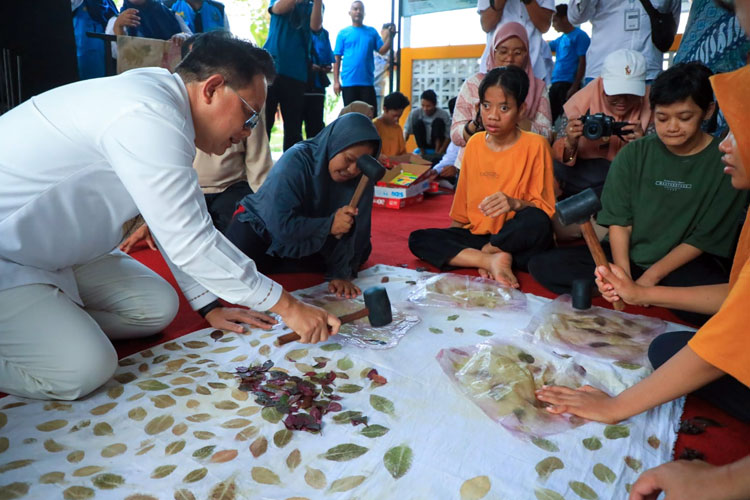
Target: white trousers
51 348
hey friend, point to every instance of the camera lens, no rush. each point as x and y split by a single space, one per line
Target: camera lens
592 130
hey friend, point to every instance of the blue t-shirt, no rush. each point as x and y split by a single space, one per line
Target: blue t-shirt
356 44
322 55
288 40
568 48
211 15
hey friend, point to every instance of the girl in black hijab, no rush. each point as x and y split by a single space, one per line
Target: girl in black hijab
291 224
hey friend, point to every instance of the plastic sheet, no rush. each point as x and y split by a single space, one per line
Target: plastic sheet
454 290
598 332
360 333
501 380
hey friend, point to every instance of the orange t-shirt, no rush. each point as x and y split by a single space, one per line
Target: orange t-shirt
391 137
724 341
524 171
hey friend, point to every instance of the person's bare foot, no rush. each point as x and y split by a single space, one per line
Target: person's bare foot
484 273
489 248
500 269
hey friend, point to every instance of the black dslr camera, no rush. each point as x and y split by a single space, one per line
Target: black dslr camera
600 125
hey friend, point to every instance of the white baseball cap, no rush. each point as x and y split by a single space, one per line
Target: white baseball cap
624 72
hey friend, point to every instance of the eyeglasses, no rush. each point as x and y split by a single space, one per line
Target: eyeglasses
251 122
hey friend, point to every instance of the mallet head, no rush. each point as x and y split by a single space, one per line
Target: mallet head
371 168
377 302
578 208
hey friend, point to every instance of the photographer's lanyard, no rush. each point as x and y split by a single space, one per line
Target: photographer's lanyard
632 17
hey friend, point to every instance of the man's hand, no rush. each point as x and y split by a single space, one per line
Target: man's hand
179 38
614 284
680 479
343 220
343 288
127 19
228 318
573 131
337 87
632 132
142 233
586 402
311 323
497 204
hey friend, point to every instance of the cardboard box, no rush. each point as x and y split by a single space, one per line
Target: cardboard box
397 203
387 189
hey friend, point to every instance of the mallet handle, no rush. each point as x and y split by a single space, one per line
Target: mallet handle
357 196
600 259
347 318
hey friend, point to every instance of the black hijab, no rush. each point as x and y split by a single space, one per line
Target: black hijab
295 206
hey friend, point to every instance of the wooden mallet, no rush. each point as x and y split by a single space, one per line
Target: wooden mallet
372 171
578 209
377 309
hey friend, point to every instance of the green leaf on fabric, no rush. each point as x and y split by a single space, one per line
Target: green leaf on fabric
263 475
346 484
397 460
331 347
547 466
382 404
545 444
583 490
604 473
374 430
616 431
108 481
344 452
592 443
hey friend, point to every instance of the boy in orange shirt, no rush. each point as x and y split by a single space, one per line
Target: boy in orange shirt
504 198
390 132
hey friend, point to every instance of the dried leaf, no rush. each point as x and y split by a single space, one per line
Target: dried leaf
182 391
87 471
78 493
14 490
159 424
163 401
263 475
653 442
264 350
271 414
183 380
75 456
545 494
583 490
179 429
592 443
374 430
195 344
145 449
52 425
344 452
246 433
52 478
224 456
199 417
453 317
315 478
221 350
152 385
195 476
633 463
100 410
547 466
236 423
114 449
296 354
108 481
382 404
344 364
346 483
204 435
616 431
349 388
183 494
304 367
174 447
163 471
4 444
103 429
259 446
282 438
115 392
50 445
126 377
435 330
397 460
545 444
475 488
604 473
217 385
628 366
485 333
225 490
226 405
294 459
239 395
331 347
204 452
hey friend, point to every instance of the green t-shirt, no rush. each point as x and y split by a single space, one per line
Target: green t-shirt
670 199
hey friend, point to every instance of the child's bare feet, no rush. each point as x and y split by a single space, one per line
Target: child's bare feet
489 248
500 269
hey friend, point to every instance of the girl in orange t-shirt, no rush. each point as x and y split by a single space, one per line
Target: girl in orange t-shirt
504 198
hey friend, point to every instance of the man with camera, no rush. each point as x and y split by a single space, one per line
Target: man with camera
599 120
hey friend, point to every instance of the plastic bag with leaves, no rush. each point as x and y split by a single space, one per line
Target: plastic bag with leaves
501 380
598 332
360 333
455 290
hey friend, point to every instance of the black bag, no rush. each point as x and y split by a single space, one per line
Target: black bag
663 26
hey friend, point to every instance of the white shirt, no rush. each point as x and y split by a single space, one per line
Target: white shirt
539 51
608 31
78 161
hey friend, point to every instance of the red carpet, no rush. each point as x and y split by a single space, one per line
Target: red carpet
390 233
